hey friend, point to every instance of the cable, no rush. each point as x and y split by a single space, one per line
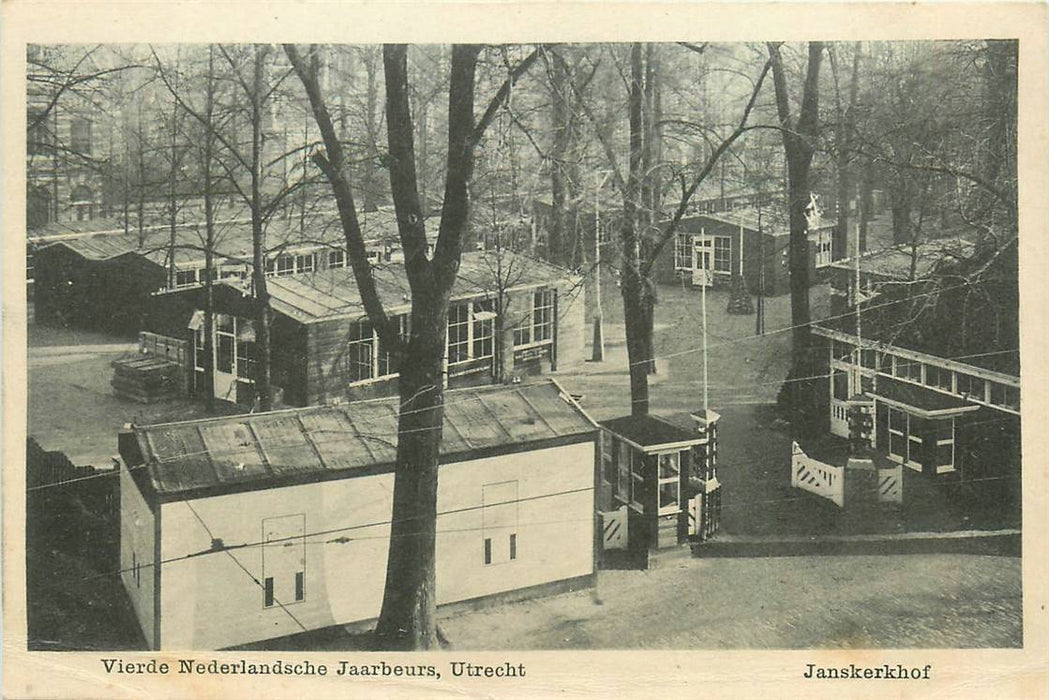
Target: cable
242 567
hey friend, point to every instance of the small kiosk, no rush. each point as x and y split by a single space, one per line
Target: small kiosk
659 480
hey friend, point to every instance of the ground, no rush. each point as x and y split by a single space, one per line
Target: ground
928 601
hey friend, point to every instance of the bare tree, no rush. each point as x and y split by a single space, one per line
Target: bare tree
408 615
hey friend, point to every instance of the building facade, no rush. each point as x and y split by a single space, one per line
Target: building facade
713 250
325 349
237 530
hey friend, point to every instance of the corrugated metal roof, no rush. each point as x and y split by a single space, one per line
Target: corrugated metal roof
255 450
332 293
895 262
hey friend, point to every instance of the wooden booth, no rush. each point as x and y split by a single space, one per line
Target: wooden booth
659 480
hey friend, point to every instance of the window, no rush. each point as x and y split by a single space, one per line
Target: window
360 346
908 369
971 386
499 522
841 351
300 585
268 593
200 351
458 333
83 202
285 265
905 438
938 377
840 380
1005 396
246 354
80 135
538 326
40 139
869 359
637 477
543 315
305 263
683 251
185 278
484 329
942 432
722 254
336 258
387 360
669 483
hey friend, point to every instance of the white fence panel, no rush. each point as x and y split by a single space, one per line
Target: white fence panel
817 477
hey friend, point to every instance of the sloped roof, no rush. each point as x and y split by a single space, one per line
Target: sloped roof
650 431
205 457
772 222
326 294
104 239
895 263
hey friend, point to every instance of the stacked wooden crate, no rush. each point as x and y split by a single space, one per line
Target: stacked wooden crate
145 378
156 373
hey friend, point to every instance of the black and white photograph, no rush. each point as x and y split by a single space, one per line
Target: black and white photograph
338 350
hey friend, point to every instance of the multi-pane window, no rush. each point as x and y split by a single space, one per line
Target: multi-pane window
458 333
905 438
336 258
365 357
305 263
908 369
938 377
637 476
683 251
484 328
185 278
543 315
291 264
285 265
538 326
1002 395
360 347
80 135
971 386
388 360
722 254
669 483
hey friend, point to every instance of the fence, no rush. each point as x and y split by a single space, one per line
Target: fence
163 347
817 477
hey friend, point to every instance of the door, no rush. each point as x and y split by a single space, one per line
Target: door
702 259
225 357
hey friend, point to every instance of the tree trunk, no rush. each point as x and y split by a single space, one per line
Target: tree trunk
408 619
258 240
209 244
799 141
637 307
